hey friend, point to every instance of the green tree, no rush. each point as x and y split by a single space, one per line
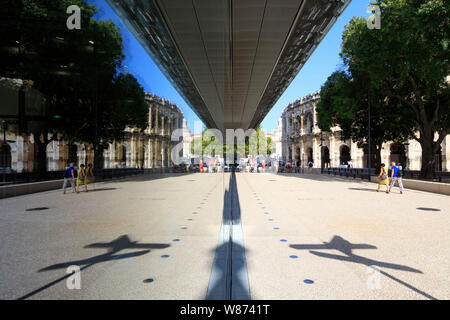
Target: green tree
121 105
407 61
344 103
75 70
255 139
200 144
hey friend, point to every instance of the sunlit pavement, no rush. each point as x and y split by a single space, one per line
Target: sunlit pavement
305 237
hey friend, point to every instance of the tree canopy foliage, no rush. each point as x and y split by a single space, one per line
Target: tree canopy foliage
87 98
403 66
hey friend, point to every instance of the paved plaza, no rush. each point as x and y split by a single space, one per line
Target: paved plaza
156 237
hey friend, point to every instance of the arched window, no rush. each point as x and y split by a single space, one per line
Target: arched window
166 123
73 153
309 155
153 118
344 154
308 124
124 154
398 154
5 155
325 157
438 160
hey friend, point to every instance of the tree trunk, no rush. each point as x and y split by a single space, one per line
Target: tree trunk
427 144
377 153
427 170
41 157
98 157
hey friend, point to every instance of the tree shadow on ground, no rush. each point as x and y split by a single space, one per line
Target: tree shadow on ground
345 247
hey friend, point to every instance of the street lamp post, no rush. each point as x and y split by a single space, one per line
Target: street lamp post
96 136
4 148
321 152
369 165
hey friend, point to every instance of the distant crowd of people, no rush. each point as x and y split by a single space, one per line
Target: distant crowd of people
77 177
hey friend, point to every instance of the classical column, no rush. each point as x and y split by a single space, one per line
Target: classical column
156 129
316 153
333 159
162 125
169 150
169 127
150 152
163 156
20 154
302 129
146 146
445 145
302 154
159 154
150 118
133 152
155 154
294 153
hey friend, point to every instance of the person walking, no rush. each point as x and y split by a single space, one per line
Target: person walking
384 179
396 176
89 174
81 179
69 177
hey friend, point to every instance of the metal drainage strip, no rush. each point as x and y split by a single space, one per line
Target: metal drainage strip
229 277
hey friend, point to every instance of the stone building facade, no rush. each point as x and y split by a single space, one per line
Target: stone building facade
276 137
149 148
152 147
303 142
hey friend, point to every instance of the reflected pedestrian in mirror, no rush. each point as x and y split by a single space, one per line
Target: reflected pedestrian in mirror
383 176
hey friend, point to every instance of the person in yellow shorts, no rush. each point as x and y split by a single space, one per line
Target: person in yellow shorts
81 180
384 179
89 174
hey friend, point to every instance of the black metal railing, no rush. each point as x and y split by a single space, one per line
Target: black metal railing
363 173
10 178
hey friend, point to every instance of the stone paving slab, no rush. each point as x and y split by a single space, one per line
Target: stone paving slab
410 245
152 212
305 237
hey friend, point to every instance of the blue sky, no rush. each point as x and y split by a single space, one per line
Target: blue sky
324 60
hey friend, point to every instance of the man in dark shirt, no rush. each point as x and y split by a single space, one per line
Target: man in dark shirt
69 177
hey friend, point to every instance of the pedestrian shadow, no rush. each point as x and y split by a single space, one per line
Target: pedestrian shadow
340 244
428 209
121 243
363 189
101 189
